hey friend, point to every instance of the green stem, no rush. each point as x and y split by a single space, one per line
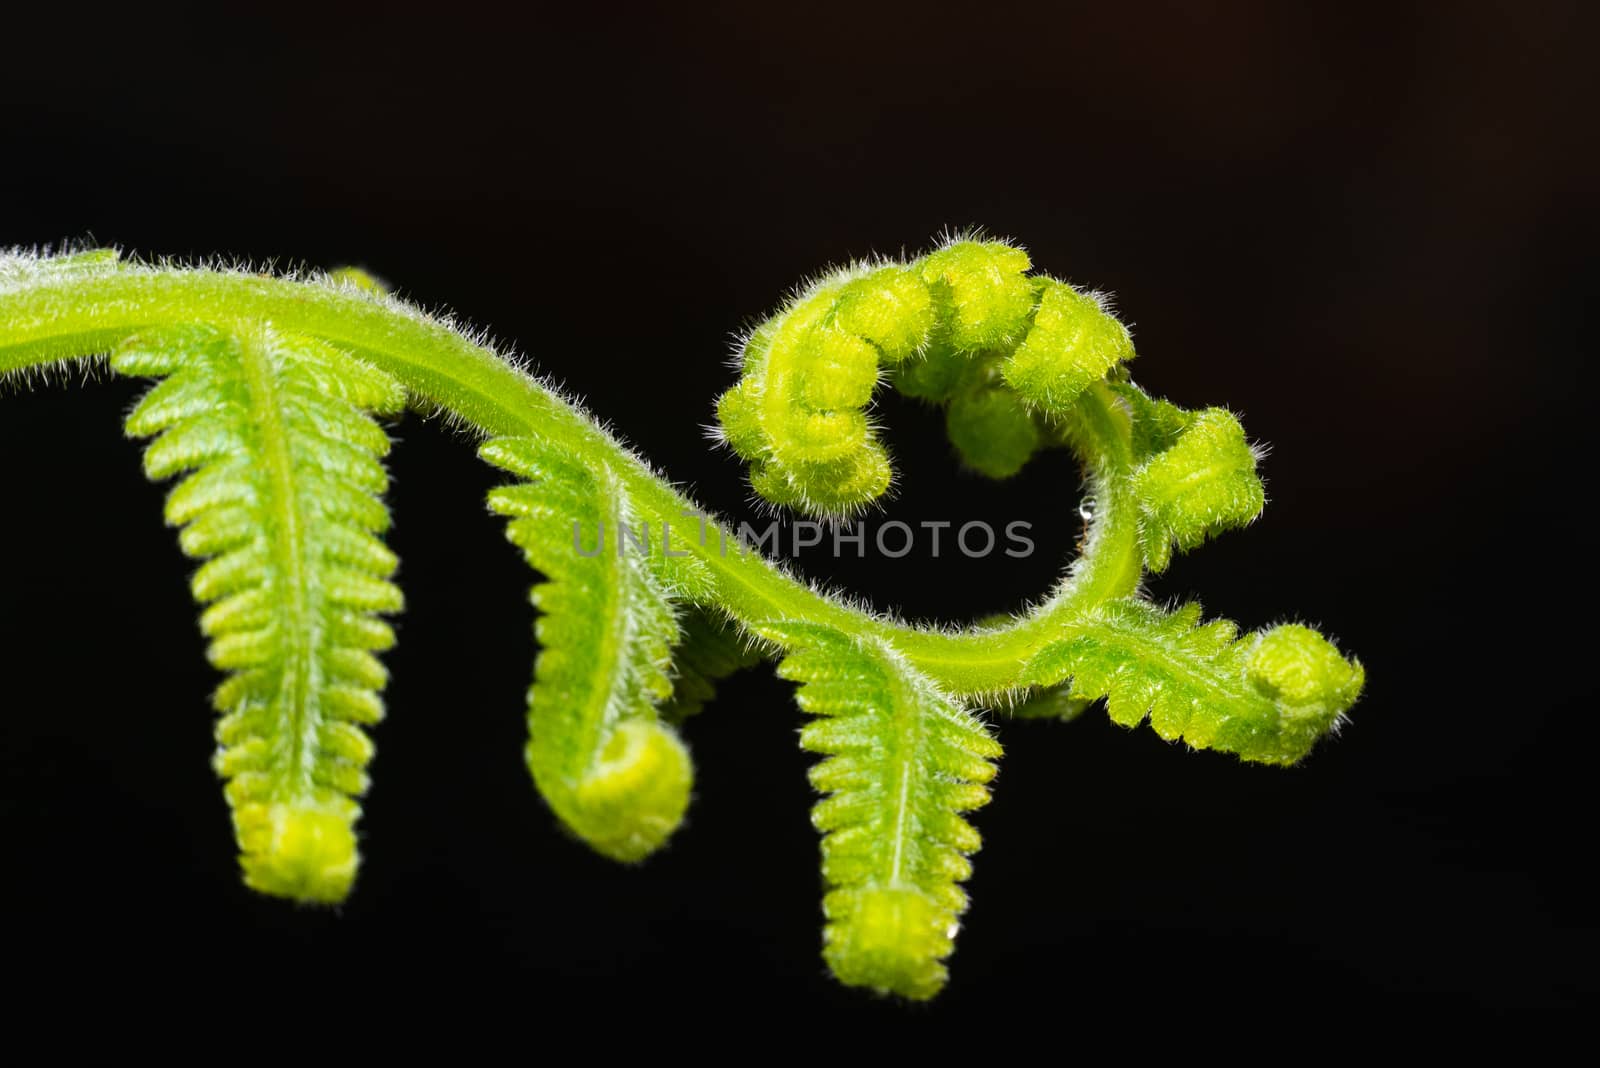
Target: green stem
76 316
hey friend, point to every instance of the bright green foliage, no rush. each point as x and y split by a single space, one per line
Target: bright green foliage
964 326
272 426
904 761
282 501
992 430
1204 484
1074 343
798 412
982 298
616 775
1196 476
1267 698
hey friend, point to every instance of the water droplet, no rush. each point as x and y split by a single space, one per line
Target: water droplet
1086 511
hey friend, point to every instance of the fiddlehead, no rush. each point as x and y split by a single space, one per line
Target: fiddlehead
272 424
282 501
964 327
1006 354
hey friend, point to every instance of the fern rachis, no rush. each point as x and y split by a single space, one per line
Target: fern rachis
266 403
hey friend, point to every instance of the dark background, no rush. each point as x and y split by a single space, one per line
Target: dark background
1368 231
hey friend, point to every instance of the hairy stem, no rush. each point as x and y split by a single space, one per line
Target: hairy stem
75 316
266 402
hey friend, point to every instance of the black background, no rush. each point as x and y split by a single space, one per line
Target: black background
1368 231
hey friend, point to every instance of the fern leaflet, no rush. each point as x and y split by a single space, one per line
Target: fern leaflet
905 760
282 501
1267 697
611 770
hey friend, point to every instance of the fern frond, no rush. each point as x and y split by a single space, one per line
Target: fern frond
283 502
282 498
905 760
1267 697
599 753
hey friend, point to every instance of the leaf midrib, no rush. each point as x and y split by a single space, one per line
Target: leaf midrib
299 689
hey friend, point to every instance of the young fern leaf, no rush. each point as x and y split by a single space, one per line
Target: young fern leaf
1197 475
964 326
283 502
610 769
1267 697
904 761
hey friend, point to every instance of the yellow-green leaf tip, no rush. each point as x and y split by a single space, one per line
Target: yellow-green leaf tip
307 854
636 795
1303 671
892 940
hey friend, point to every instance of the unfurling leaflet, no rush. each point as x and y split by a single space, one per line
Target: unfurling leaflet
283 502
1267 697
614 773
904 761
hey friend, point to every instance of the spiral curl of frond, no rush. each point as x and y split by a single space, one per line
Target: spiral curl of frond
267 390
613 772
964 326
